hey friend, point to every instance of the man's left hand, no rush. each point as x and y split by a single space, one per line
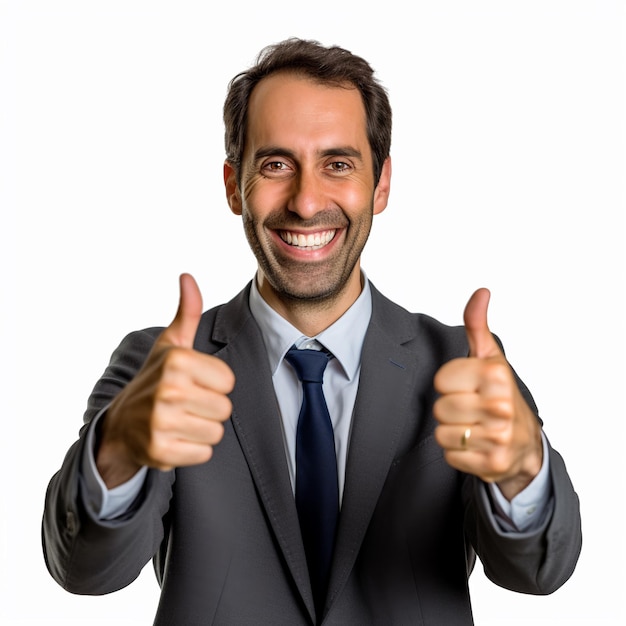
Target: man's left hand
486 428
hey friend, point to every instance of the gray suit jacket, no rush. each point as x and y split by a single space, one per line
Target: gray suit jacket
224 536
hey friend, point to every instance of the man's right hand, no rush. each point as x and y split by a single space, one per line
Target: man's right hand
171 414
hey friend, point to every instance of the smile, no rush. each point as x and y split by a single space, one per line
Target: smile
313 241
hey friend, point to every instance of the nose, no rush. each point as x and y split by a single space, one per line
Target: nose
307 195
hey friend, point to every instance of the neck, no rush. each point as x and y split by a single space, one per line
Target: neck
312 316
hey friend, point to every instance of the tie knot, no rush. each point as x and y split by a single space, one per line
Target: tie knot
309 364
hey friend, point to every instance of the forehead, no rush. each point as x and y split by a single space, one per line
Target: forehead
289 107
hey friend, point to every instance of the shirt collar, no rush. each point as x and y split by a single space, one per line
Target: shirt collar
344 338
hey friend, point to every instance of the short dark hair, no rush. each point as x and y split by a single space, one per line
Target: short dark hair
327 65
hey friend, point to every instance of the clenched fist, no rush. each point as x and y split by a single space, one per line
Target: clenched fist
486 428
171 414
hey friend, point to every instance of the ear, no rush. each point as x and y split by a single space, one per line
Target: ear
232 189
381 193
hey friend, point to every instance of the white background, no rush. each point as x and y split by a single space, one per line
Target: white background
509 172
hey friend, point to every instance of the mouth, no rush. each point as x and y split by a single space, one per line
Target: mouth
311 241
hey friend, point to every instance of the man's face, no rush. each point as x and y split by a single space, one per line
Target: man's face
307 193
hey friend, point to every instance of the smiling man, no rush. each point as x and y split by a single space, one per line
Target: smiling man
307 194
310 452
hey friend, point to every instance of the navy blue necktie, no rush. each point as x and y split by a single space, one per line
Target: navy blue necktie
317 491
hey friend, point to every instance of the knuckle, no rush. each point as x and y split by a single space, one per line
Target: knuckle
501 437
223 407
206 454
441 408
199 454
220 369
169 392
496 371
438 381
500 407
445 374
227 377
438 436
217 432
176 359
155 452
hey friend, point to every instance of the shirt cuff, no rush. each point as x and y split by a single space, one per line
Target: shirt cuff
103 503
529 508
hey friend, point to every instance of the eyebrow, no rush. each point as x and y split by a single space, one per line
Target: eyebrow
341 151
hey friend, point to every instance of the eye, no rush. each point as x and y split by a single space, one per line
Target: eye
339 166
275 169
275 166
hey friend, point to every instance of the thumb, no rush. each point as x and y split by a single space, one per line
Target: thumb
182 331
481 342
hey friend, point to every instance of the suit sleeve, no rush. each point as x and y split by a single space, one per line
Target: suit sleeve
84 555
538 561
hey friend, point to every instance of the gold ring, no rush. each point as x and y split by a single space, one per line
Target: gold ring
464 437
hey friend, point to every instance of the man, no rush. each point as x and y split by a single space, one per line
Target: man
193 448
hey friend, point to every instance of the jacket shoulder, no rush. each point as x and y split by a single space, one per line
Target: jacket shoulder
417 330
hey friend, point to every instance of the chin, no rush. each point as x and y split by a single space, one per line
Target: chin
313 292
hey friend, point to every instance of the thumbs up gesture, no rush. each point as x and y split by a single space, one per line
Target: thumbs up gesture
486 428
171 414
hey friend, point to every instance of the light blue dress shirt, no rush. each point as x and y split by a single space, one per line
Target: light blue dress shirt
344 339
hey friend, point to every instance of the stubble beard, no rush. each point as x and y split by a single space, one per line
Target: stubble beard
301 284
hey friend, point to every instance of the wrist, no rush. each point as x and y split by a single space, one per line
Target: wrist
113 460
529 467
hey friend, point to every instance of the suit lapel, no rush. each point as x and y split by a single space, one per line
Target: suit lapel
256 421
388 374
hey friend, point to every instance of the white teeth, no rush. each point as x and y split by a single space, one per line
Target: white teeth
314 242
